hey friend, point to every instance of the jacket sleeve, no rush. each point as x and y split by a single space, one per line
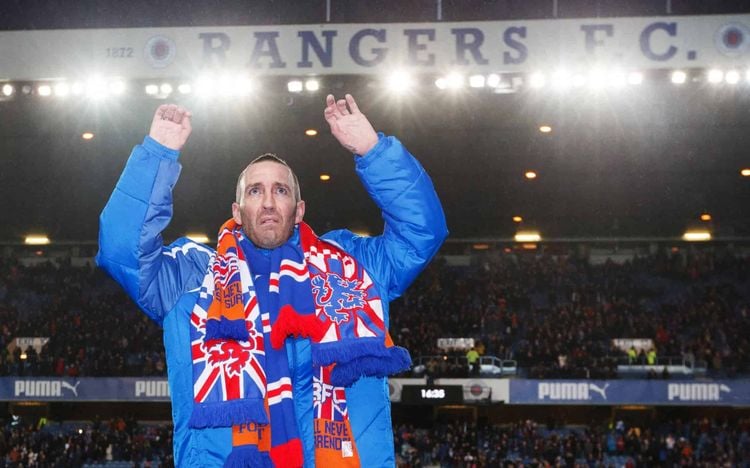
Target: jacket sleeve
130 242
415 226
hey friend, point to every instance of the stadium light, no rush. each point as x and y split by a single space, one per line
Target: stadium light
517 219
96 88
679 77
77 88
62 89
732 77
705 217
617 79
745 172
44 90
36 239
204 86
477 81
715 76
399 82
165 88
597 79
117 87
152 89
635 78
493 80
537 80
198 237
530 175
185 88
695 235
295 86
311 132
8 90
545 129
325 177
527 236
244 86
441 83
312 85
454 80
87 136
578 80
560 80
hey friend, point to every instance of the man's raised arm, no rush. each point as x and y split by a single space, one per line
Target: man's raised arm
415 225
130 242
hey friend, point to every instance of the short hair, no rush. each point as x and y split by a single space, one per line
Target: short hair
266 157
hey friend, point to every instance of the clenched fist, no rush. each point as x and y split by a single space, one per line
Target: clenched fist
171 126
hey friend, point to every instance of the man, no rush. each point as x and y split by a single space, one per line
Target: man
243 394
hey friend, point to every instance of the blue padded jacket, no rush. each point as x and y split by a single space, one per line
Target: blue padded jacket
164 282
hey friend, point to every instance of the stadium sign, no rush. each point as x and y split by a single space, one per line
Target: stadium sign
83 389
630 392
482 47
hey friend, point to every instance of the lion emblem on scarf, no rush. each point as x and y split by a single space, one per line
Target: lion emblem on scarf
337 296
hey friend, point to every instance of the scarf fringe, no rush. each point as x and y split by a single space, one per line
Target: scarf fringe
290 322
248 456
325 354
228 413
225 329
345 374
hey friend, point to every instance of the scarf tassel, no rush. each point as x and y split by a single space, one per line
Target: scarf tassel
291 322
228 413
248 456
226 329
381 362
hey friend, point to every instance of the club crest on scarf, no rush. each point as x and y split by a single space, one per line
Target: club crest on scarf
337 297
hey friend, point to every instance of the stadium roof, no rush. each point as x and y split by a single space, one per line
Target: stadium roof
637 161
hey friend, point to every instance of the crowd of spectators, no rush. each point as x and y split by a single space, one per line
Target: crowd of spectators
79 444
94 330
555 315
699 442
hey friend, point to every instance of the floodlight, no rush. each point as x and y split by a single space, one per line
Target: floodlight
527 236
732 77
493 80
696 235
536 80
117 87
477 81
399 81
715 76
294 86
454 80
635 78
62 89
679 77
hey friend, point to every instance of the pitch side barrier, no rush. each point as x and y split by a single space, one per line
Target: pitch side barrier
420 391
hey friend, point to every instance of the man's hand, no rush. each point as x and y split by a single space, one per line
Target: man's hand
171 126
350 126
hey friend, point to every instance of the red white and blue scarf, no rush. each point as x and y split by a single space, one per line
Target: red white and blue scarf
319 292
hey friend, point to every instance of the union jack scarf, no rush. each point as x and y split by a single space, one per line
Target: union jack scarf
318 292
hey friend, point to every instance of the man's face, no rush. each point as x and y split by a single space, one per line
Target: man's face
268 211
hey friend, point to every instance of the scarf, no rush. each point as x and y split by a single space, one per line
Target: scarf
318 292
